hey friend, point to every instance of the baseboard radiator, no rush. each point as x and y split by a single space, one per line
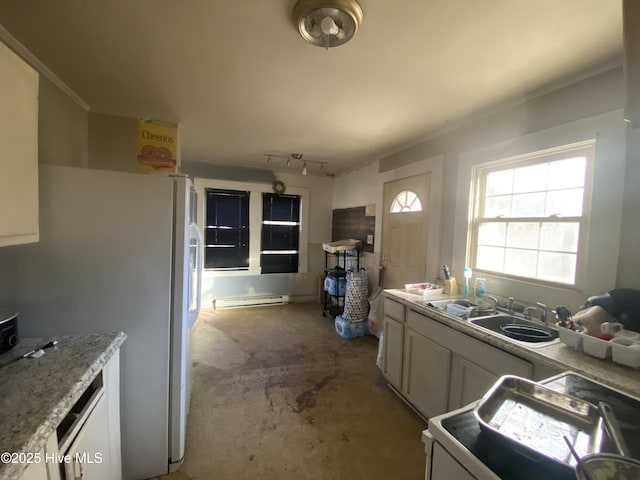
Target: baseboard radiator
257 301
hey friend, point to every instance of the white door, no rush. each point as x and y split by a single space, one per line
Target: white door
404 230
186 299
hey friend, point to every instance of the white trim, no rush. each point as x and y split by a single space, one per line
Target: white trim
14 44
604 224
434 167
256 301
586 150
255 221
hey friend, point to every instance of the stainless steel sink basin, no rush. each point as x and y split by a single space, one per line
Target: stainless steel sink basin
531 333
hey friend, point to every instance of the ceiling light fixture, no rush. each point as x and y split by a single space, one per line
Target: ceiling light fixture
327 23
306 164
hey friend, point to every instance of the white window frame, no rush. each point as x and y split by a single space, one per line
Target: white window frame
479 173
412 207
255 222
604 230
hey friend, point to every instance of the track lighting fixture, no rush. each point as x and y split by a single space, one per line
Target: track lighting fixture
306 164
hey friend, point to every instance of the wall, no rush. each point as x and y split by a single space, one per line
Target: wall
366 186
299 286
356 189
597 272
629 260
591 96
62 128
113 142
583 99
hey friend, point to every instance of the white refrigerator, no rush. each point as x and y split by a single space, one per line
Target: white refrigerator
118 251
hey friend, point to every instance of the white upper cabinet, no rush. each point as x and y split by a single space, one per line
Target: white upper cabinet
18 150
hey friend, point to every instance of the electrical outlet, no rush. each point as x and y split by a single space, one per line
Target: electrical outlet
370 239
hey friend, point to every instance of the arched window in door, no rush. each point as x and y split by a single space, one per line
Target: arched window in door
406 201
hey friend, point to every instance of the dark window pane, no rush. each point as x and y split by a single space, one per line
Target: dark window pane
280 237
226 258
283 208
227 229
280 208
279 263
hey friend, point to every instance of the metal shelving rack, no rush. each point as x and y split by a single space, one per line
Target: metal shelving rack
337 265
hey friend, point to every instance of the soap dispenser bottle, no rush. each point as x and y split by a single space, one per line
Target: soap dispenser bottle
467 275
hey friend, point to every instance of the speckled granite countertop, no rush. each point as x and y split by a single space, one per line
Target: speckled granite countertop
557 355
36 394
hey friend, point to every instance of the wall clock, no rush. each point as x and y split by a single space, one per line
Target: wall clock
278 187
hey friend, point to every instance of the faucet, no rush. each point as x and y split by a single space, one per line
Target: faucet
541 307
510 305
494 300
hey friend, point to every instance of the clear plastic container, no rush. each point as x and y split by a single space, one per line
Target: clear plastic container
457 310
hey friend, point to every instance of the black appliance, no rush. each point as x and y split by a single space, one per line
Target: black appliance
8 330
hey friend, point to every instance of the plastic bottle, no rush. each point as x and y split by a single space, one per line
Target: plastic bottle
480 287
467 275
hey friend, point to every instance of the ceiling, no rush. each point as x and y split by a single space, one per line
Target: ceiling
242 82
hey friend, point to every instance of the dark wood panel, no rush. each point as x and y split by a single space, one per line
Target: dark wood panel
353 223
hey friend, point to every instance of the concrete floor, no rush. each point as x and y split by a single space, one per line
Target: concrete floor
277 394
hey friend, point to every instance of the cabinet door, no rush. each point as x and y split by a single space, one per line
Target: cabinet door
18 150
445 467
36 471
426 374
90 448
392 355
469 382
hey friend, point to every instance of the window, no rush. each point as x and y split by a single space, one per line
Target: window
406 201
237 251
531 213
280 238
226 229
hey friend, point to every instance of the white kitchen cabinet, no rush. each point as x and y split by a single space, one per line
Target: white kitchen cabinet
475 370
469 382
445 467
18 150
44 468
426 374
36 471
393 351
437 368
393 338
474 366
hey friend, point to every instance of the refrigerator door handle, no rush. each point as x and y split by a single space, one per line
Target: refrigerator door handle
194 309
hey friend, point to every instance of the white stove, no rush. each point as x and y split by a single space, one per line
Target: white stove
457 448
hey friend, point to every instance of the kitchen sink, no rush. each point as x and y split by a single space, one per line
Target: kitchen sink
529 332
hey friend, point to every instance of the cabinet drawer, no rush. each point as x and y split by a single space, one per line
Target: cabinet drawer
394 309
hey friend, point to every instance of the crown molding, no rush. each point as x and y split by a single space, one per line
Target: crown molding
14 44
